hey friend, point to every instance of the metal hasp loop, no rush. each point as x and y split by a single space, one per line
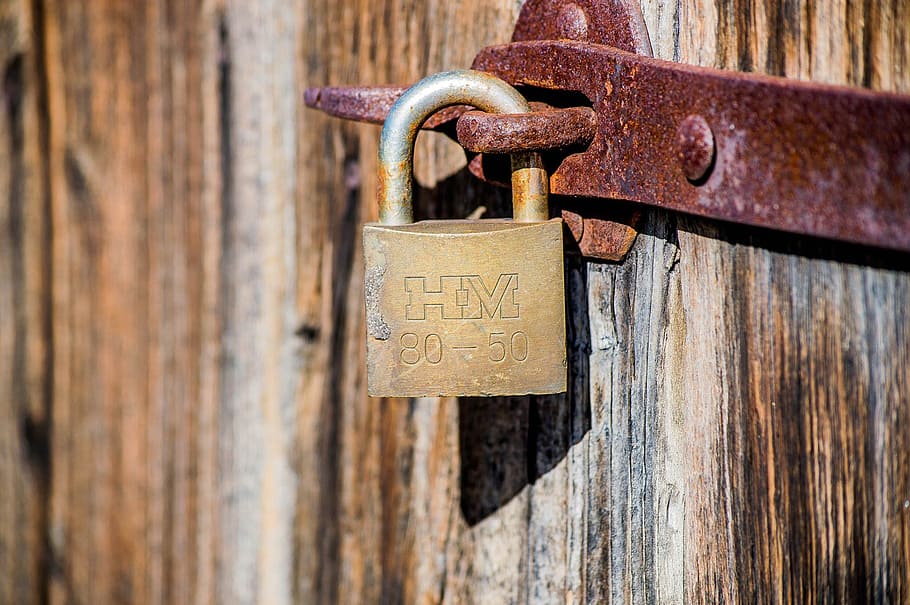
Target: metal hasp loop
396 145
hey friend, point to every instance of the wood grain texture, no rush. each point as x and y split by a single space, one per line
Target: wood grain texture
136 159
24 305
799 353
183 415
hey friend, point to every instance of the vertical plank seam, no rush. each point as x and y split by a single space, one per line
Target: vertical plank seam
37 23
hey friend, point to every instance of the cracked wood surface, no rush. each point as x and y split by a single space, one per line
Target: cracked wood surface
183 415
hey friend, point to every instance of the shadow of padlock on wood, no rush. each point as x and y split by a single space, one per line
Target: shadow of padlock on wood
462 307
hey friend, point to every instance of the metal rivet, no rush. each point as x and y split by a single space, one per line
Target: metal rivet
695 148
572 22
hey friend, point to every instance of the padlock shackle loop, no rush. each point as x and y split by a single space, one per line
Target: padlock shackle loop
460 87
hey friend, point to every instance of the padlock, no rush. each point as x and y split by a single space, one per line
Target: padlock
462 307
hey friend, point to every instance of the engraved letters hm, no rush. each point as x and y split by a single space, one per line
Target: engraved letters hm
462 297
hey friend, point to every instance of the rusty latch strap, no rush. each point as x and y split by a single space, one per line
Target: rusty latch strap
545 128
801 157
370 104
539 130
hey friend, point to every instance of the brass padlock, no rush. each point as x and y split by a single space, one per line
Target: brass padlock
462 307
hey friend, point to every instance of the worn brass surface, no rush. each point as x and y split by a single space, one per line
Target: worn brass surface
468 307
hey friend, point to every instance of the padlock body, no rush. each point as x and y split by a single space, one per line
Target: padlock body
471 308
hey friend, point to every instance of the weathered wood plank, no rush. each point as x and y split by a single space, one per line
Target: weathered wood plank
799 356
135 159
633 551
24 335
260 370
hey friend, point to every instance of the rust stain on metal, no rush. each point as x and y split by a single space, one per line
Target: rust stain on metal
575 224
819 160
572 22
549 129
616 23
370 104
545 128
695 148
360 103
602 238
608 240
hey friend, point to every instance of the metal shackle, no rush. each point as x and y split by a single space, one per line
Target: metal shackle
396 145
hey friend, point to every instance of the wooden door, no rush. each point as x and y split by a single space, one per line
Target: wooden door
183 416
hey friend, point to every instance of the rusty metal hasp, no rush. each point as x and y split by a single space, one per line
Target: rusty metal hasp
800 157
